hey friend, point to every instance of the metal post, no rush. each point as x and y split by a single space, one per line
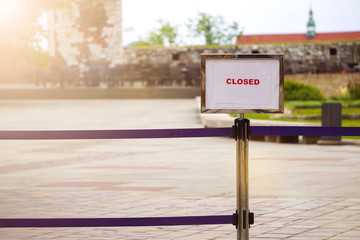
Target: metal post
244 217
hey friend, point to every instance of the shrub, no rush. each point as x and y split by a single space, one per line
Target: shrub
354 89
299 91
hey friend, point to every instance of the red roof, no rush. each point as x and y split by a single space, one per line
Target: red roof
278 38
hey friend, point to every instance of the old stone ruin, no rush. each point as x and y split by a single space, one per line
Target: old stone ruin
86 50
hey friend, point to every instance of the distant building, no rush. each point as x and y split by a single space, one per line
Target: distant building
310 35
297 37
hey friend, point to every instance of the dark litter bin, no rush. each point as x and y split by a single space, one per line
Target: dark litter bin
331 117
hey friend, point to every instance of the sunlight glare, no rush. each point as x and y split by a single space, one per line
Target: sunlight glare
7 7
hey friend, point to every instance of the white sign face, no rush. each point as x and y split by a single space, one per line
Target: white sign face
242 84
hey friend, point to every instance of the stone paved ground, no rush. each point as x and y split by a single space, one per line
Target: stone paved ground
296 191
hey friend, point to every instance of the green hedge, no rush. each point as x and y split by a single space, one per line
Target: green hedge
299 91
354 89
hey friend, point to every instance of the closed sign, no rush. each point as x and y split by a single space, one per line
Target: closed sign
238 83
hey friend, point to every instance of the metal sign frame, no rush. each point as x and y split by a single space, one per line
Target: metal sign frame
239 57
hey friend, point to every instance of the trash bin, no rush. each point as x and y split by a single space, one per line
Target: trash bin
331 117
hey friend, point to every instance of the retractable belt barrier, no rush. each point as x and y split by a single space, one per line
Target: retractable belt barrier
177 133
152 133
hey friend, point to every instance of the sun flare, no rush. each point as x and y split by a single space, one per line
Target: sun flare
7 7
8 4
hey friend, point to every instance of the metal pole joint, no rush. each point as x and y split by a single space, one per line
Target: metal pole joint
241 129
235 218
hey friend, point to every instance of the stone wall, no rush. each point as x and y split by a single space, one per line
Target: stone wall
86 48
87 33
180 66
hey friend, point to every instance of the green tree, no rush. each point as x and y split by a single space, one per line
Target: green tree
155 38
165 35
214 29
168 32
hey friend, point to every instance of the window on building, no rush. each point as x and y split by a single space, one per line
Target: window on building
176 57
333 51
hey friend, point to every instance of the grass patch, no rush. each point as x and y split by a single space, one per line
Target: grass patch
317 104
317 111
263 116
350 123
303 104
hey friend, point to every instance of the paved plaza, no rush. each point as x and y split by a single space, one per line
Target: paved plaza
297 191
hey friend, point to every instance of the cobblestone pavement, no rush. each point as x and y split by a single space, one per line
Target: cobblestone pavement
296 191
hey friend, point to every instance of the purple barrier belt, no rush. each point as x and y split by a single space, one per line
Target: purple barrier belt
115 222
177 133
117 134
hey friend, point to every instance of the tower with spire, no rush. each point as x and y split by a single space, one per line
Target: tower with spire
310 28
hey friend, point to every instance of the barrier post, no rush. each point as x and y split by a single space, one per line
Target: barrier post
243 215
242 83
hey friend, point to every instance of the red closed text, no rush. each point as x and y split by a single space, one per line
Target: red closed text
246 81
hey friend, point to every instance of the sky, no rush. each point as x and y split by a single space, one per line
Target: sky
253 16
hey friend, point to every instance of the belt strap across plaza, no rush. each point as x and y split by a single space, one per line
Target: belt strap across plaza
152 133
115 222
177 133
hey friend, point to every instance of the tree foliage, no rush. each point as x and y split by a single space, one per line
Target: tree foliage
169 32
213 29
164 35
